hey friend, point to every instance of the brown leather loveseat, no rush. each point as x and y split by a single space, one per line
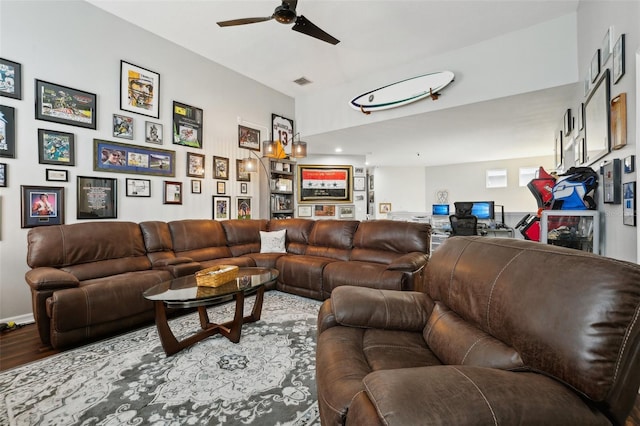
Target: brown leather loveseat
506 332
87 279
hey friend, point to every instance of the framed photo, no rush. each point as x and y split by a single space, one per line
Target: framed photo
42 205
346 212
138 187
3 174
629 203
358 171
56 147
618 59
567 122
629 164
64 105
282 130
384 207
96 198
172 192
305 211
370 182
619 121
328 210
243 188
195 165
359 183
122 158
595 66
325 183
7 131
221 188
10 79
196 186
122 126
596 121
139 90
221 208
248 138
153 132
606 46
558 150
242 175
244 207
187 125
57 175
220 168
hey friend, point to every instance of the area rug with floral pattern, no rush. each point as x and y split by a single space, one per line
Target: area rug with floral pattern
268 378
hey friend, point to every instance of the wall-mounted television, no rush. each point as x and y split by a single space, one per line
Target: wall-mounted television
483 210
440 210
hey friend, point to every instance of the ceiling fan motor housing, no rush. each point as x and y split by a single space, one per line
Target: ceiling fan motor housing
284 15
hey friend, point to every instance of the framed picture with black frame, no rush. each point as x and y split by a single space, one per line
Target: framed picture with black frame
10 79
8 141
96 198
220 168
221 207
64 105
42 205
57 175
187 125
139 90
3 175
242 175
138 187
55 147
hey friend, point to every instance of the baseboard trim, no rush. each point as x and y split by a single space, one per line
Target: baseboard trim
20 319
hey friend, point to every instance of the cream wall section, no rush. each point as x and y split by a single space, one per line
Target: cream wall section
519 62
403 187
75 44
594 18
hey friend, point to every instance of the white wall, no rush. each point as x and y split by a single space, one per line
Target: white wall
416 189
594 18
74 44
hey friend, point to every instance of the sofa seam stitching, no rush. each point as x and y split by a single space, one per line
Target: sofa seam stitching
464 358
495 421
624 344
493 285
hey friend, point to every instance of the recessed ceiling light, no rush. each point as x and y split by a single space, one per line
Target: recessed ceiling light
338 149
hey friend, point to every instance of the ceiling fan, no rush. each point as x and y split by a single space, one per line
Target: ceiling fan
286 14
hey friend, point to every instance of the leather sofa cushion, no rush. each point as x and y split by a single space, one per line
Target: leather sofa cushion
243 236
199 239
303 272
157 236
64 245
332 238
381 240
491 282
360 274
298 231
457 342
390 349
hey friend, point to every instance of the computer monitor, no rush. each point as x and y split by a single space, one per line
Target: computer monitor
483 210
440 210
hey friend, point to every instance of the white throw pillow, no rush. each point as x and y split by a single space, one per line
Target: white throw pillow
273 242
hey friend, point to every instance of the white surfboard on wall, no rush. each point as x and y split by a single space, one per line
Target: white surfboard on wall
402 92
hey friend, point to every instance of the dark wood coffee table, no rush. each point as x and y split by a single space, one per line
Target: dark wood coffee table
184 293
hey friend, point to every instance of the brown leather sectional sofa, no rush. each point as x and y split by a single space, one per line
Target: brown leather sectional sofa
507 332
87 279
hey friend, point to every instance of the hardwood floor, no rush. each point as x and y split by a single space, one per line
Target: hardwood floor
23 345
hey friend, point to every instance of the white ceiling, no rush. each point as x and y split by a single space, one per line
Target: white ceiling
375 35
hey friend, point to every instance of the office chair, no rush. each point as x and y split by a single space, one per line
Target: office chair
463 222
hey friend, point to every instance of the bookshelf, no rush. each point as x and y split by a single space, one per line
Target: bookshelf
279 202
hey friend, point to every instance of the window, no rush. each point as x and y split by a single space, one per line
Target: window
497 178
527 174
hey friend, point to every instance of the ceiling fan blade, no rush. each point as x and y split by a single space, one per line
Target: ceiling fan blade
304 26
243 21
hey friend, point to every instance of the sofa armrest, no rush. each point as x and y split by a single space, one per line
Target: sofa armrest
464 395
47 278
386 309
408 262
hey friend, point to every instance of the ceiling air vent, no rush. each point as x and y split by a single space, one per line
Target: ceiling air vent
302 81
